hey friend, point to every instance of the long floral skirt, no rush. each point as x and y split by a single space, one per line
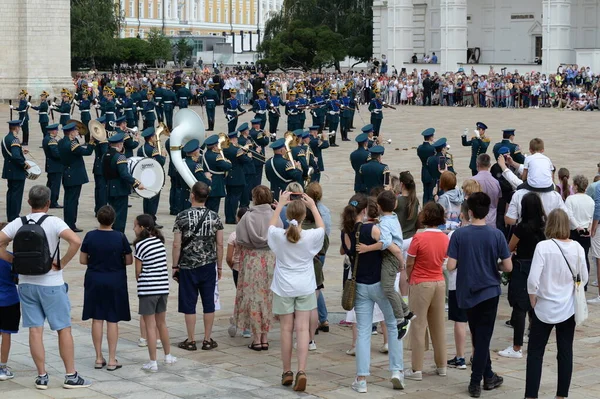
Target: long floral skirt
254 298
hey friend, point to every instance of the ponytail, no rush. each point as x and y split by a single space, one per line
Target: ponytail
295 214
563 176
146 222
356 205
408 183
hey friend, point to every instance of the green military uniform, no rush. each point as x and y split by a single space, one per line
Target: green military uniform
175 189
515 150
358 158
317 146
150 205
249 167
65 112
236 179
274 114
168 101
195 166
433 162
318 112
424 151
23 110
347 109
478 144
149 114
158 93
42 110
109 109
184 95
281 172
299 155
376 110
218 166
262 141
333 117
374 173
75 175
14 172
53 167
212 98
129 144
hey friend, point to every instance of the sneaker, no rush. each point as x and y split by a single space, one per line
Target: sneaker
458 363
403 328
151 367
6 374
492 383
413 375
75 381
170 359
594 301
359 386
351 351
159 344
474 391
507 324
232 330
41 382
510 352
374 330
397 380
410 316
246 334
312 346
441 371
594 283
142 343
384 348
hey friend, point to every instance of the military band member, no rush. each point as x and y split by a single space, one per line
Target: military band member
298 153
358 158
478 143
437 163
100 190
54 167
424 151
347 108
292 112
194 163
236 179
75 175
169 99
376 110
129 108
318 110
212 98
245 140
371 139
84 106
118 179
136 98
279 170
218 166
261 138
231 108
42 110
184 96
142 99
23 109
260 108
14 170
150 150
317 144
375 173
149 114
130 142
175 190
158 92
508 135
333 116
274 114
109 108
303 104
311 159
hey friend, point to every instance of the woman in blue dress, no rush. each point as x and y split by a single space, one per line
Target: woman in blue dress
106 253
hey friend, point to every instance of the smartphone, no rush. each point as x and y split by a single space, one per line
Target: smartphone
295 196
442 163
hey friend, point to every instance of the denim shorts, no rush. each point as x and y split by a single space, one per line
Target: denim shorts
200 280
39 302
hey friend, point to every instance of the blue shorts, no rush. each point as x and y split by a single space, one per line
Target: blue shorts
201 280
39 302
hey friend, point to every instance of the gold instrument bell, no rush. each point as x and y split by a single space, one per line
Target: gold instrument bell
97 130
161 130
81 128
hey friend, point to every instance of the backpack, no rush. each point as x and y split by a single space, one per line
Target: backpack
31 251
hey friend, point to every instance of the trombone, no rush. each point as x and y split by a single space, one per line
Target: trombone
255 154
290 141
161 130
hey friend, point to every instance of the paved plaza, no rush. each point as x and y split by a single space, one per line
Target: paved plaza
234 371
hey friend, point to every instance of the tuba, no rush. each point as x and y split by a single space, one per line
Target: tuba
187 125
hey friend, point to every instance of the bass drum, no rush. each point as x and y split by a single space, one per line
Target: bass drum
148 172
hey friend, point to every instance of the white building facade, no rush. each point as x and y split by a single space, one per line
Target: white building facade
497 32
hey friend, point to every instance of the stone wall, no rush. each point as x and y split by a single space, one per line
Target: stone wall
35 49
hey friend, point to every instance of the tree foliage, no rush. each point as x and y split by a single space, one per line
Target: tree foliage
160 46
94 27
348 23
183 50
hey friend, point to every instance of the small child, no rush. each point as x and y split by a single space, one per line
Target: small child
153 286
10 313
393 260
233 261
538 169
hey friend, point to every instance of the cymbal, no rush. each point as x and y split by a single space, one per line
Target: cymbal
83 130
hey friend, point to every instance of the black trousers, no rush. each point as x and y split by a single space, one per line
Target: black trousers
517 321
538 339
53 183
586 243
481 323
14 198
71 205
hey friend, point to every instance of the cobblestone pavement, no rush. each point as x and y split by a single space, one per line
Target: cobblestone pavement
234 371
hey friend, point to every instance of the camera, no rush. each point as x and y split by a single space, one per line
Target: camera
295 196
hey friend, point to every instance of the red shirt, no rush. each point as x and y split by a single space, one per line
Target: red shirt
429 249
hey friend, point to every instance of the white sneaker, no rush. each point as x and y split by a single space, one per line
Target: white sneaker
159 344
232 330
594 283
151 367
295 345
413 375
351 351
142 343
441 371
397 380
312 346
510 352
384 348
594 301
170 359
359 386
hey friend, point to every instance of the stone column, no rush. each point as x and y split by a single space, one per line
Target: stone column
380 26
35 47
556 35
399 33
453 26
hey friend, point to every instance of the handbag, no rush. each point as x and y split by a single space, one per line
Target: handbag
581 309
349 291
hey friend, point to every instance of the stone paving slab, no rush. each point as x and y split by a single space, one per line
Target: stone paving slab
233 371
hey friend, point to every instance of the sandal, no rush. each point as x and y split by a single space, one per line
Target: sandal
287 378
265 346
113 367
324 326
300 384
188 345
208 345
99 366
255 347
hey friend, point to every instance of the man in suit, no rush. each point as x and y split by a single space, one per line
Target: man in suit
54 167
424 151
14 170
358 158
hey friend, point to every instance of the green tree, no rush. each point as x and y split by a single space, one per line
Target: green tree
160 46
94 27
183 51
133 50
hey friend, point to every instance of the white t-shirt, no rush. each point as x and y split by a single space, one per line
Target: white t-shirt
294 271
550 200
53 227
539 170
581 210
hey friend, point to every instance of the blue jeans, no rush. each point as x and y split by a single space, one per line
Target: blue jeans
321 306
366 297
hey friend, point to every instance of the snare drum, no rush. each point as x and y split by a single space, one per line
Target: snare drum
34 170
148 172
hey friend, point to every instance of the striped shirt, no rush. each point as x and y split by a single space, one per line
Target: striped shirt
154 278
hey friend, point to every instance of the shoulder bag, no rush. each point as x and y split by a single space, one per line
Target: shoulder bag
581 309
349 292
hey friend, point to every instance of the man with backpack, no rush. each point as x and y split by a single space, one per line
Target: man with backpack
42 290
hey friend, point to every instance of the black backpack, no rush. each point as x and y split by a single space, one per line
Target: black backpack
31 251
